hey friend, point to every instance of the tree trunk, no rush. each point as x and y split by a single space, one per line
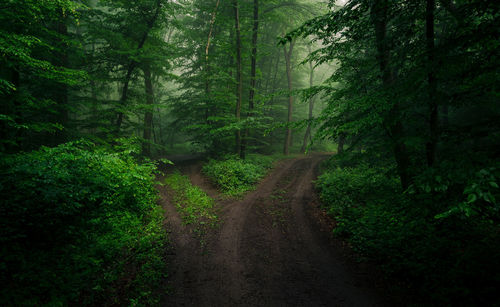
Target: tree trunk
61 95
239 86
307 135
288 138
431 145
253 73
160 129
148 116
273 90
340 145
207 64
393 120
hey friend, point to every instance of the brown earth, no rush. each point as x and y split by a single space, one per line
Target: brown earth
272 248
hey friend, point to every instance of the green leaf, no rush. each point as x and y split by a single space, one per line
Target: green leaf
471 198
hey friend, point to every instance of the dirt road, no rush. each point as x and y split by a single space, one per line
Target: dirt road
268 251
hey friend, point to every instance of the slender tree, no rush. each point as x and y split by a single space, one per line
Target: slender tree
148 116
307 135
288 60
239 85
431 145
253 73
379 16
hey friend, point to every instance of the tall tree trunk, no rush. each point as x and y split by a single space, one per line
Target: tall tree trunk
288 57
148 116
431 145
275 80
133 64
239 85
307 135
393 120
94 117
61 95
253 72
273 89
340 145
207 64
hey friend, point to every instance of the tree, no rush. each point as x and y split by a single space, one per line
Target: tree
253 73
307 135
35 77
148 116
239 85
288 59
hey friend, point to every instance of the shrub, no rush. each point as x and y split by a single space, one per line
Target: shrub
235 176
346 190
80 225
445 258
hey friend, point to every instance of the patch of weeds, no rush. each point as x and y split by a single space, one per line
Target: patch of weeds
279 195
193 204
278 211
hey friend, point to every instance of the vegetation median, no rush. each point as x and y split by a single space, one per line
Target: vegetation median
234 176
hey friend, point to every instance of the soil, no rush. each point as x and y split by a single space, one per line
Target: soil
273 248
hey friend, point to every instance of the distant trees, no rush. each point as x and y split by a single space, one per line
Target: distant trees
123 44
154 71
234 60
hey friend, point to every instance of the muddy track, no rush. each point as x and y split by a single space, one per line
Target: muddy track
268 251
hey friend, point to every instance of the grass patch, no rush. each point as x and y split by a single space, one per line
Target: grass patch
234 176
193 204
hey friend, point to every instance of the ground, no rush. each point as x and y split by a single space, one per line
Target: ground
273 248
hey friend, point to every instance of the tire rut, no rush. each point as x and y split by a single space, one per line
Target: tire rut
267 252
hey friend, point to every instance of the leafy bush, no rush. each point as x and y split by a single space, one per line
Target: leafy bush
235 176
347 189
80 226
445 260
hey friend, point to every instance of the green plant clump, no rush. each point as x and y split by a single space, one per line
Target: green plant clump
79 226
445 258
194 205
235 176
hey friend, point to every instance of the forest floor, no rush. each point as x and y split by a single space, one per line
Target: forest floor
273 247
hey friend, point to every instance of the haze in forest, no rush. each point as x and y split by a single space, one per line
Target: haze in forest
129 128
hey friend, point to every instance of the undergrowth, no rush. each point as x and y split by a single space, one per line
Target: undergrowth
80 226
193 204
445 256
234 176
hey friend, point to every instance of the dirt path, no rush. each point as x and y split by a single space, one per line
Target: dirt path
268 251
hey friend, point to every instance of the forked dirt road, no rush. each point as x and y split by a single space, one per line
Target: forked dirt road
268 251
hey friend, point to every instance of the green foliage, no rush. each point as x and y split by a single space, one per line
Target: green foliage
235 176
444 261
34 44
80 225
480 196
194 205
347 189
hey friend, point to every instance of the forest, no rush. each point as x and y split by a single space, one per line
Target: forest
246 152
